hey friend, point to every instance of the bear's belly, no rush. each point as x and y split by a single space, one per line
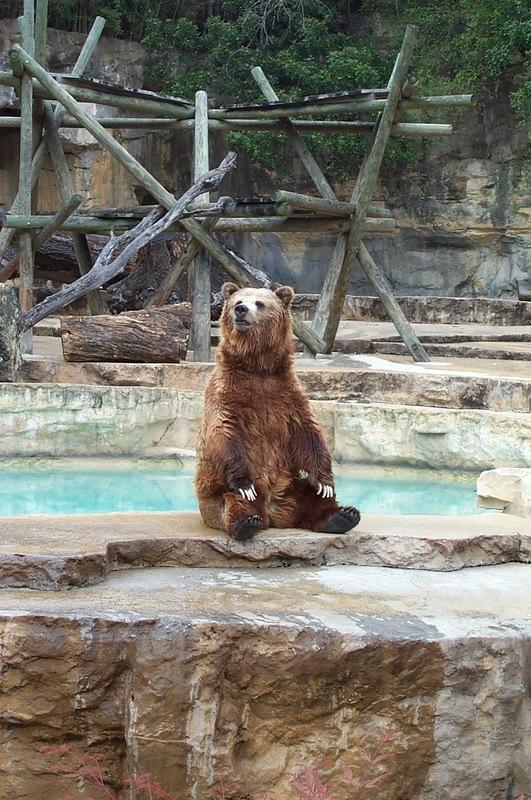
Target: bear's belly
266 443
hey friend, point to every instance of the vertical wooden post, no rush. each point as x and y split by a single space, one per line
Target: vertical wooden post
6 234
200 335
41 24
24 174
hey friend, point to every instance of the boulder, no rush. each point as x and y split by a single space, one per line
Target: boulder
506 488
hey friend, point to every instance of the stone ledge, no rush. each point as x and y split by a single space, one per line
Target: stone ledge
57 553
341 377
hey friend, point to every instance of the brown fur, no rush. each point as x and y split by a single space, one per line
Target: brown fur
258 428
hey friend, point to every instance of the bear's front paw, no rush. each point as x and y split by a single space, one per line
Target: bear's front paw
248 492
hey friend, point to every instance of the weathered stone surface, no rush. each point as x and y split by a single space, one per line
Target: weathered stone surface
55 553
114 420
430 436
339 378
521 505
426 309
189 673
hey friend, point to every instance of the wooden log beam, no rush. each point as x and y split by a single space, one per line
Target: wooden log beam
20 57
328 312
200 338
54 225
316 224
140 105
97 304
119 250
319 205
407 129
177 269
40 153
154 336
384 291
41 30
349 106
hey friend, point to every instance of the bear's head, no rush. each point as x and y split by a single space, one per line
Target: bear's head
256 326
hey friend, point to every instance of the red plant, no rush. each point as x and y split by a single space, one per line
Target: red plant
92 769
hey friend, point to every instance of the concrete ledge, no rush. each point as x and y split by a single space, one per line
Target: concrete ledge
56 553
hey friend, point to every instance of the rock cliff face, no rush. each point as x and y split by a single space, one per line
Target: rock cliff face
187 673
463 212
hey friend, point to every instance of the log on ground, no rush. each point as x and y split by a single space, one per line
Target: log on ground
157 335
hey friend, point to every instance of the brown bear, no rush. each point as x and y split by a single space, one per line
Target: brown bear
262 459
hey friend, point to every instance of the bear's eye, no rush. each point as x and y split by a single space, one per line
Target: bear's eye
238 303
259 304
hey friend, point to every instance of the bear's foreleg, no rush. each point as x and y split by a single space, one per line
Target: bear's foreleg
311 458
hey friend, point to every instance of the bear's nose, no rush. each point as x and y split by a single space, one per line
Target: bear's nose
240 310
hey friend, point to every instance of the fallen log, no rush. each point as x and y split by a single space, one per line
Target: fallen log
153 336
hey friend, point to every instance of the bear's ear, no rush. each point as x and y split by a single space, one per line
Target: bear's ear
286 294
229 288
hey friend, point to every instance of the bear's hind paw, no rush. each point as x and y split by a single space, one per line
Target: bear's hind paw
342 520
247 527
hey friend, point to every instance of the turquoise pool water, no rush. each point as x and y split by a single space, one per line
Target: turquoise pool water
88 487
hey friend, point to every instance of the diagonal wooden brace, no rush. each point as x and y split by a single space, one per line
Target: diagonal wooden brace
373 272
19 57
96 302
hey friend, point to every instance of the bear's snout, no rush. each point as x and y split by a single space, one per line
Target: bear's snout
240 311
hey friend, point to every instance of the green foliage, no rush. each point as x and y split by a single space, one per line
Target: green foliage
468 45
313 46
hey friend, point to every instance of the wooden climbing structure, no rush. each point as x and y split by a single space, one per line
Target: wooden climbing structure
50 101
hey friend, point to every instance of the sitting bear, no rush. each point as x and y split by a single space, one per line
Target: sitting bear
262 459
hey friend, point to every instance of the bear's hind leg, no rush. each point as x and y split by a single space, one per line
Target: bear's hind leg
301 507
244 518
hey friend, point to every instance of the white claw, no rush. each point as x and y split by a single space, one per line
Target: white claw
242 492
319 487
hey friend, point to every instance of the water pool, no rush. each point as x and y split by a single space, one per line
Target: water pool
87 486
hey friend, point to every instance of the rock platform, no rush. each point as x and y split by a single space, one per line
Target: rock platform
56 553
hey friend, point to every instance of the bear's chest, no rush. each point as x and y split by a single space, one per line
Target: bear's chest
263 407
